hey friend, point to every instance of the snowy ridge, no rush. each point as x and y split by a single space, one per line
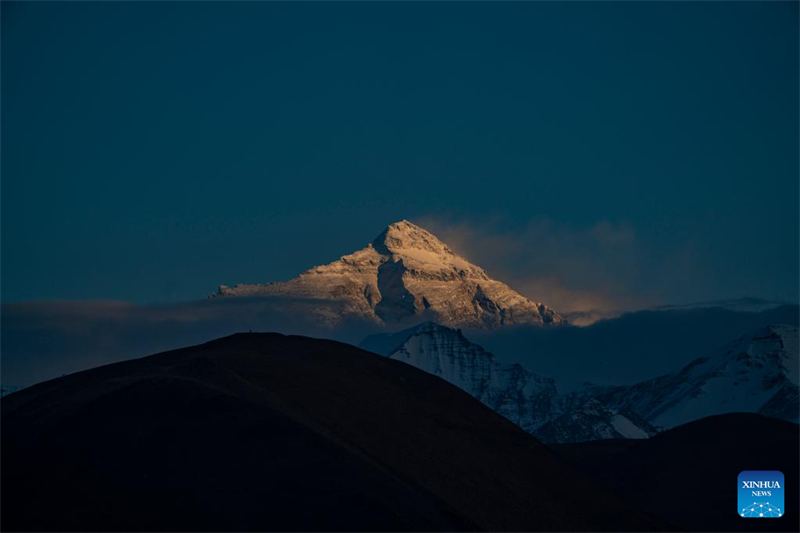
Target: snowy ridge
512 391
529 400
758 373
407 274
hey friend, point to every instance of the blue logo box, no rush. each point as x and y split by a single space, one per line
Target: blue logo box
761 494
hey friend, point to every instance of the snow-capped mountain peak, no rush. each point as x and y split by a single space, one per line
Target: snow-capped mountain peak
406 274
404 235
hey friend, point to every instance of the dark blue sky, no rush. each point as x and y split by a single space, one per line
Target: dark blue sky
151 151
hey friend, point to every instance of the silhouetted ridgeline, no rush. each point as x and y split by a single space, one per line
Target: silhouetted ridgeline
687 475
269 432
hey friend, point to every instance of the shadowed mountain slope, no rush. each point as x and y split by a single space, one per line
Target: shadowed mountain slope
269 432
688 475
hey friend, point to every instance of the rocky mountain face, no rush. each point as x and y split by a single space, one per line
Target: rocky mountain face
406 274
757 374
592 420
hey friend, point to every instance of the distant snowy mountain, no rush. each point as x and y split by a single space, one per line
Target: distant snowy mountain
519 395
527 399
747 304
587 317
406 274
758 374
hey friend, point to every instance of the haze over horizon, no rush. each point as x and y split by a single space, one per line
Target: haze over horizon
607 156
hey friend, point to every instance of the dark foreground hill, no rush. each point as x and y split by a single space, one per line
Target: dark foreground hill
268 432
688 475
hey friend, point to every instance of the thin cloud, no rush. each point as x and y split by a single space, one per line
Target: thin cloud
68 336
588 272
